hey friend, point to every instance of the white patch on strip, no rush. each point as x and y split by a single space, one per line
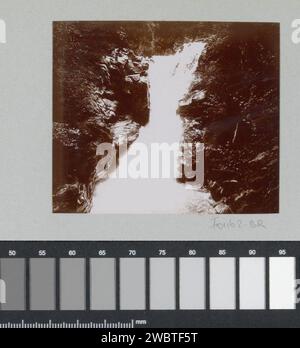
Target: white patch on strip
282 283
2 291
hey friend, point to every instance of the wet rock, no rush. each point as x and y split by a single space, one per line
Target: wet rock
65 135
236 115
242 133
229 187
72 198
222 208
101 93
133 78
125 131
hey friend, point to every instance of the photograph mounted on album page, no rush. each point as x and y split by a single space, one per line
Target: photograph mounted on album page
123 120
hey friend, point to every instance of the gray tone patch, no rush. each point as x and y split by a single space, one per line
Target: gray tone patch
72 284
162 284
42 284
133 284
222 284
103 284
12 272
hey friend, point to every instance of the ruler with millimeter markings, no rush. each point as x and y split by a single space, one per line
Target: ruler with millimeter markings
63 325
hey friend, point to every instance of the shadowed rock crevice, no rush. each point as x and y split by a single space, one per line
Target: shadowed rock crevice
100 84
233 108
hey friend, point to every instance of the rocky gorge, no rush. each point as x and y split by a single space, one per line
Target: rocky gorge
100 86
233 108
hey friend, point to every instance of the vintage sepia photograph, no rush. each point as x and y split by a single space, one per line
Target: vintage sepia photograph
166 117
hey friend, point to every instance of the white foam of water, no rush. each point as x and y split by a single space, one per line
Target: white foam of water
169 80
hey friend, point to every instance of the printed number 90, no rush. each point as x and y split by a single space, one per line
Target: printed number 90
192 252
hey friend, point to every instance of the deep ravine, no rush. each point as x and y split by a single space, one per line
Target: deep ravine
170 77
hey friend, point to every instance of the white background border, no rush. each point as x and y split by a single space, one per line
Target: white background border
26 123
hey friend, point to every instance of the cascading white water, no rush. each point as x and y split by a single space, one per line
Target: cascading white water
169 80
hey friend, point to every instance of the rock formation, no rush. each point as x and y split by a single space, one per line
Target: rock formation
99 84
101 91
233 108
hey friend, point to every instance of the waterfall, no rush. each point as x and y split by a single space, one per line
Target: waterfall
170 78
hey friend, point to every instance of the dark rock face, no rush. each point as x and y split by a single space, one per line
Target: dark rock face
233 108
99 82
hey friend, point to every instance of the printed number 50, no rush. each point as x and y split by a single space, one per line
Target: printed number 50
296 32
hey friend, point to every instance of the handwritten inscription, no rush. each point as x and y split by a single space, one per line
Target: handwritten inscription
220 224
296 32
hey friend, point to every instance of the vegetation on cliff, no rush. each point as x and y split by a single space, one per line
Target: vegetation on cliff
233 108
100 84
